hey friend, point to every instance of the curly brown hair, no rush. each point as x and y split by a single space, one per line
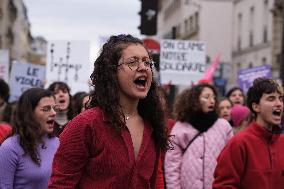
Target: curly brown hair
104 79
187 103
25 124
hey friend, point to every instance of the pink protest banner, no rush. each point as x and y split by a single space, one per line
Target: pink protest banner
209 73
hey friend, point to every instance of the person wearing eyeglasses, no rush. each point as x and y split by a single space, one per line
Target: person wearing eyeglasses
26 157
117 141
199 136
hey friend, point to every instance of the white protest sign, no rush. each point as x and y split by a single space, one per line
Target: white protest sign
68 61
182 62
4 64
25 76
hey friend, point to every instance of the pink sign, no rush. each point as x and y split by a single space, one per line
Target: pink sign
209 73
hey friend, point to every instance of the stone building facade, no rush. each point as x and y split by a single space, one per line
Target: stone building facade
15 29
247 33
256 35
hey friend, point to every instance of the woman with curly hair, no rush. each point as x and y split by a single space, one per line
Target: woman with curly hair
63 98
116 142
199 136
26 157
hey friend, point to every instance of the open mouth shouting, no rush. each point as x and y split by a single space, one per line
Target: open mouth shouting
49 126
238 102
50 123
63 104
277 113
61 101
141 82
211 108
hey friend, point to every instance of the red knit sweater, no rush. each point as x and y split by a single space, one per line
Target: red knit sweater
253 159
94 155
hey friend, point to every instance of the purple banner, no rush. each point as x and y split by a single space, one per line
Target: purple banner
247 76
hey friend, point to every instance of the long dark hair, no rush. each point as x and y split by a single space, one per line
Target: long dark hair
77 102
5 90
25 124
104 78
59 85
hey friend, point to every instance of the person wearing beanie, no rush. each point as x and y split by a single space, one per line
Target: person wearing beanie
254 158
240 116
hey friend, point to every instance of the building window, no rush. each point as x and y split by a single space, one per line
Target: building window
265 34
196 15
10 36
13 12
1 13
250 38
250 65
185 25
263 61
171 8
239 44
191 23
278 58
265 21
168 35
178 30
238 65
174 32
265 2
239 30
251 26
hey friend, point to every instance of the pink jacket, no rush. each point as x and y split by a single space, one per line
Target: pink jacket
194 169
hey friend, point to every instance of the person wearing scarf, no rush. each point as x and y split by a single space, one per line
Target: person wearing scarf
197 137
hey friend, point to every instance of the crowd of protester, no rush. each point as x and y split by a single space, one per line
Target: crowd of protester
123 134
